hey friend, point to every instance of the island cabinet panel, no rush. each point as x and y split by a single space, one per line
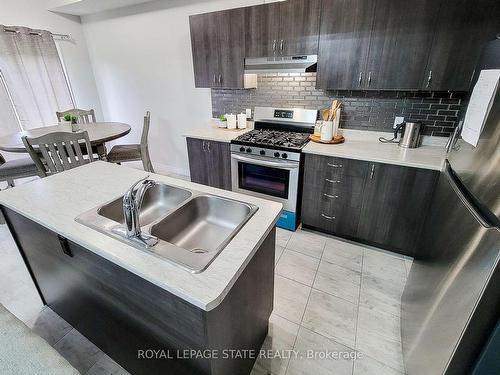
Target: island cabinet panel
463 28
123 314
379 204
342 59
209 162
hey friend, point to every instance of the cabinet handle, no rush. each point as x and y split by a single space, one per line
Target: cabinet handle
328 217
203 146
372 171
334 165
369 78
360 78
274 45
65 246
429 79
282 43
332 181
330 196
220 79
215 79
208 146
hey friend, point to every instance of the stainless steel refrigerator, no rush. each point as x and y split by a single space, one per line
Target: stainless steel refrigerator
451 301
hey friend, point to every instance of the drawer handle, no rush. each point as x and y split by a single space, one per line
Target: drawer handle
332 181
328 217
330 196
334 165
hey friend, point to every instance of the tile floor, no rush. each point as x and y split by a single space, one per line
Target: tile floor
330 295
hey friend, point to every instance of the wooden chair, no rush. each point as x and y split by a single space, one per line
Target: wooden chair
134 152
59 151
84 116
17 168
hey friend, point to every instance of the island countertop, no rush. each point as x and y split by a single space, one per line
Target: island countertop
54 202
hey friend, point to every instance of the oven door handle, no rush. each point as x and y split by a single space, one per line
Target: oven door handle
266 163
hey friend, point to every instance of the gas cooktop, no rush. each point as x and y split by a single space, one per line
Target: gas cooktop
273 138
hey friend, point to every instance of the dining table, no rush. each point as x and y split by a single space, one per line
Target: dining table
99 133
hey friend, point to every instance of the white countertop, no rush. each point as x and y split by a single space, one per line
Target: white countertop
212 133
56 201
364 145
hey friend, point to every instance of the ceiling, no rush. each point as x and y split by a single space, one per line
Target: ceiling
83 7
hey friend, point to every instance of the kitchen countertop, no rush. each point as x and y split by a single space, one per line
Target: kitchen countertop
213 133
56 201
25 353
364 145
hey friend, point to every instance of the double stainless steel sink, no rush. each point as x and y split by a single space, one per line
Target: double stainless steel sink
192 227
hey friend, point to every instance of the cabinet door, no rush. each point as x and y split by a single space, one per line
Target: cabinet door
218 156
205 46
299 27
262 23
341 59
198 163
231 48
463 28
400 43
395 202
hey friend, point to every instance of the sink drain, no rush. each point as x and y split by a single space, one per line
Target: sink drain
199 251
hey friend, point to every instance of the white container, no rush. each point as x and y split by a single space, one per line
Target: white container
326 131
242 121
231 121
221 124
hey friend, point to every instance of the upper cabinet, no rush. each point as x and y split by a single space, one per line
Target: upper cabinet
463 27
403 45
344 43
262 30
399 44
218 46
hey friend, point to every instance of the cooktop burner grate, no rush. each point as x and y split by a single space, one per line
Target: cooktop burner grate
279 138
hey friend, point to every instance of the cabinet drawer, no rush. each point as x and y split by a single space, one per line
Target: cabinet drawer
333 170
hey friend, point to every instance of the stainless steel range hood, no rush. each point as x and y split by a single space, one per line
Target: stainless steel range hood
278 64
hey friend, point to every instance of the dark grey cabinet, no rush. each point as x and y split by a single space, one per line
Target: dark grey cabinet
283 28
341 59
209 162
218 47
395 203
380 204
463 27
400 42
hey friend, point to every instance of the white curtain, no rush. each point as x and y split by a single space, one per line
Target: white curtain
34 76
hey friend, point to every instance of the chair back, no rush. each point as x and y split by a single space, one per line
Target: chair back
146 160
2 160
83 116
59 151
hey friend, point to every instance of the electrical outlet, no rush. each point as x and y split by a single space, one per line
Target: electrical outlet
398 120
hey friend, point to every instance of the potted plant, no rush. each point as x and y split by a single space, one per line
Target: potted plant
222 121
73 120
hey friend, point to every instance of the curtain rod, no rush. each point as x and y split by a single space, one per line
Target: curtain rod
34 32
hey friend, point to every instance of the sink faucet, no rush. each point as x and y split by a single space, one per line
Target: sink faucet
132 202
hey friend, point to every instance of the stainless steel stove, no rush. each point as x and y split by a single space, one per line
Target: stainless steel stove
267 162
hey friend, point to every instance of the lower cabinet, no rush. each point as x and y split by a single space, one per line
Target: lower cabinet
210 162
379 204
126 315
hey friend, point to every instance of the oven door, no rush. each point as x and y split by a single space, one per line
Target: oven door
266 178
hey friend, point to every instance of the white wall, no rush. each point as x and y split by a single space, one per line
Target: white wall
33 14
141 56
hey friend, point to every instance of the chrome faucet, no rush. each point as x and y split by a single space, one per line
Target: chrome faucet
132 202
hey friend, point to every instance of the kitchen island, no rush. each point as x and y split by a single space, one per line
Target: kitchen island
127 301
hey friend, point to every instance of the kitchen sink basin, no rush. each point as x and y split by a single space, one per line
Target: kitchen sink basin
157 202
204 224
192 227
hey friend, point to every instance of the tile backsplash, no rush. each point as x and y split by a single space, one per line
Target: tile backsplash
365 110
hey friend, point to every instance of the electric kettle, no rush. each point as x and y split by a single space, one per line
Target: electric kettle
410 135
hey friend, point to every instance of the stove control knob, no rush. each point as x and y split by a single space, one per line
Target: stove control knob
242 149
262 152
277 154
284 155
249 149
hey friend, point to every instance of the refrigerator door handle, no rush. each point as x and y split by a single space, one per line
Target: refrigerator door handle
458 190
